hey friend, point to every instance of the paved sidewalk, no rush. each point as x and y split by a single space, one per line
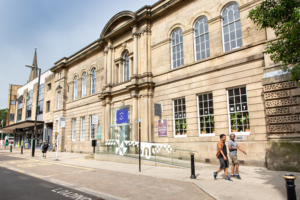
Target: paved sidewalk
256 183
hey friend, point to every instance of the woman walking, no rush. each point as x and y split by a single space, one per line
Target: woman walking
6 143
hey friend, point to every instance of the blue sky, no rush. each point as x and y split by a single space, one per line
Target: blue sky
58 28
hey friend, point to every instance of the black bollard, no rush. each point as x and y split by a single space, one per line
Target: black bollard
21 149
193 176
10 148
290 186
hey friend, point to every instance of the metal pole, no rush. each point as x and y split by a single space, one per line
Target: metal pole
193 176
36 110
290 186
140 146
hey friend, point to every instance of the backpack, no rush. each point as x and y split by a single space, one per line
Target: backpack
45 146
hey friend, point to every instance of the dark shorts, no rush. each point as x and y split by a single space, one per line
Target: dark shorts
223 163
44 150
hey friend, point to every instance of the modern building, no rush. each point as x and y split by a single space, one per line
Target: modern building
202 62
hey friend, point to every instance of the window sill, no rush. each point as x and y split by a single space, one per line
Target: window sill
180 136
207 135
241 133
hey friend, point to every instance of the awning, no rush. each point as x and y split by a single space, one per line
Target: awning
27 125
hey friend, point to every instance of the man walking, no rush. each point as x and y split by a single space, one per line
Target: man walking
44 147
222 156
233 146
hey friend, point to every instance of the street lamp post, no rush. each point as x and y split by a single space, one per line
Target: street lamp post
36 110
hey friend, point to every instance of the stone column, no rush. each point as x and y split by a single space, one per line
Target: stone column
150 117
121 71
79 95
109 66
215 36
88 84
134 116
103 121
113 69
135 50
130 67
107 117
105 67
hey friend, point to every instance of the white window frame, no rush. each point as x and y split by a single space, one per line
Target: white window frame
58 100
82 128
199 123
176 45
222 27
83 92
228 111
124 67
75 88
174 124
74 129
195 49
59 75
91 128
92 78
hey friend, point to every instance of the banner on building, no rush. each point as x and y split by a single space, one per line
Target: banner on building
162 127
99 132
62 122
122 116
95 119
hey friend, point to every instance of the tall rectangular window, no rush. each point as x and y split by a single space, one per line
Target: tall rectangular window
82 133
206 114
29 105
19 112
179 115
48 106
238 111
73 129
49 86
58 100
59 75
12 117
12 102
92 129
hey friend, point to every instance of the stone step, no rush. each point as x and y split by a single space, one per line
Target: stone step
90 156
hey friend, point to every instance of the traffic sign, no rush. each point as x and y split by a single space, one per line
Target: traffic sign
139 120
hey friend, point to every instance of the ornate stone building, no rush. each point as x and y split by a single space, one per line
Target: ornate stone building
202 61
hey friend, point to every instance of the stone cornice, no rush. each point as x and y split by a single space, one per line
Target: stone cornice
166 41
187 32
249 5
214 20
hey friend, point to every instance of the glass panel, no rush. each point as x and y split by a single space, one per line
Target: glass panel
227 46
230 15
239 42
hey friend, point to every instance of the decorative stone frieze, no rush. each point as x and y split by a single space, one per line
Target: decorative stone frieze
279 111
280 86
284 119
277 95
282 102
287 128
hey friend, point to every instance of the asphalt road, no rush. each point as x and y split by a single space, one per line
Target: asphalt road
15 185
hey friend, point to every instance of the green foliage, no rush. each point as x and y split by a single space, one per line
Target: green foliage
283 16
204 121
245 120
3 114
235 120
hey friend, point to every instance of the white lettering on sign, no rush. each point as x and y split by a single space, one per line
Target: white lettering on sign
71 195
62 122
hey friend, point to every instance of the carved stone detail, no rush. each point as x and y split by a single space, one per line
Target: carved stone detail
282 102
281 128
278 94
284 119
278 111
280 86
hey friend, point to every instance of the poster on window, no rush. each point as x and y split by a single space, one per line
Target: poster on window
162 127
122 116
99 132
95 119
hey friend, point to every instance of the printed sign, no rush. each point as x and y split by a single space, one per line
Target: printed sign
122 116
99 132
162 127
139 120
62 122
94 119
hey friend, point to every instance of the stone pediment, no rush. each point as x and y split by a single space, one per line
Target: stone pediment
117 22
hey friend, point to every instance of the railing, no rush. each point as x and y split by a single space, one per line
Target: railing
160 153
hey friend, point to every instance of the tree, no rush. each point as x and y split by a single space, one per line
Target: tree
283 16
3 114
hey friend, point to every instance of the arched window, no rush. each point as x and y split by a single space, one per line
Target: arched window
93 81
177 48
83 84
201 39
75 87
126 67
232 33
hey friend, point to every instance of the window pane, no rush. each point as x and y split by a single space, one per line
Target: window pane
231 27
226 38
239 42
227 46
225 29
230 15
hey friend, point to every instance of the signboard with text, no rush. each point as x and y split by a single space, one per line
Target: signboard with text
99 132
162 127
122 116
62 122
94 119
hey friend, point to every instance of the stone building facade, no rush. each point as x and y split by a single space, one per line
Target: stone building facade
203 62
